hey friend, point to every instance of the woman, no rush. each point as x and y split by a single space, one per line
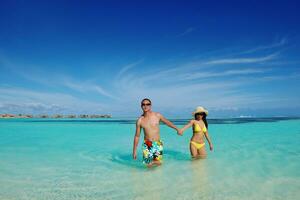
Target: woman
200 129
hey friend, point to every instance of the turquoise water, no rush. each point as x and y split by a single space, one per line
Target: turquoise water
91 159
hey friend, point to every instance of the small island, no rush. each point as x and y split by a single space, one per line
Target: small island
55 116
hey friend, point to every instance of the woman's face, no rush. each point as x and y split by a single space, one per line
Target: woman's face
199 116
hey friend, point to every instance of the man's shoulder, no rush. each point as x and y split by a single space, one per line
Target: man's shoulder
156 114
139 120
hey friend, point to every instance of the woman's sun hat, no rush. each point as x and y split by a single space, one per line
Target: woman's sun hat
200 109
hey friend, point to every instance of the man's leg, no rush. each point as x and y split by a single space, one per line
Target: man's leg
155 163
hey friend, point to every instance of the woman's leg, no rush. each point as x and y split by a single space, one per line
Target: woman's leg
193 150
201 152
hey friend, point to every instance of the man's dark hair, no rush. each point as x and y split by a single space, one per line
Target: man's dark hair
145 100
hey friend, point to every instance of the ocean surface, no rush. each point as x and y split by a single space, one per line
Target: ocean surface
42 159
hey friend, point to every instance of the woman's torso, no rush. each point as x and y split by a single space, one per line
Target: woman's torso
198 131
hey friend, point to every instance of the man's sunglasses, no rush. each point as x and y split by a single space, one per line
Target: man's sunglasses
146 104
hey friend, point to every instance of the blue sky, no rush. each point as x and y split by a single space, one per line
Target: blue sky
234 58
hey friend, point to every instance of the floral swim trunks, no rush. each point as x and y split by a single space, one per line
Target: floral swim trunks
152 151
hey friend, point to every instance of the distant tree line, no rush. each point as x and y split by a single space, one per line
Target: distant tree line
54 116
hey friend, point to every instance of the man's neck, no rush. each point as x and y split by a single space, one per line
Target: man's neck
145 114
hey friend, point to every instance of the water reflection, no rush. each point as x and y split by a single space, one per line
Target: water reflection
199 181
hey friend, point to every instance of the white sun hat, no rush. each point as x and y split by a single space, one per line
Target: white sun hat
200 109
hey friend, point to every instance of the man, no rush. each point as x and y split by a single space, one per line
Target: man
149 122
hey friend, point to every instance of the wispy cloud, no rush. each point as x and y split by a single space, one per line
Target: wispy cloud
199 69
59 80
190 71
33 108
128 67
204 82
242 60
85 87
39 102
187 31
280 43
169 91
205 75
218 82
269 78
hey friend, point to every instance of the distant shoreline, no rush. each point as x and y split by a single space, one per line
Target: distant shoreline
56 116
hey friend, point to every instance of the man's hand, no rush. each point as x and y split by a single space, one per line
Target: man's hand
211 147
136 138
180 132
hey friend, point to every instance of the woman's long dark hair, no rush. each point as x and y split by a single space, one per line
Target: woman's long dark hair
204 119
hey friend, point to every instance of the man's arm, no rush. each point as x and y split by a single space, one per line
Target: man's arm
168 123
136 137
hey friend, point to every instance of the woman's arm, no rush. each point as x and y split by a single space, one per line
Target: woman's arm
208 140
188 125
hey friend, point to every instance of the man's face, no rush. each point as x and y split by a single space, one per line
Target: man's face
146 105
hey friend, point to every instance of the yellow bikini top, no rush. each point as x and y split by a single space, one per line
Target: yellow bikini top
197 129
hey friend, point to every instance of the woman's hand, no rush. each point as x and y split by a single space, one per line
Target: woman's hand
180 131
211 147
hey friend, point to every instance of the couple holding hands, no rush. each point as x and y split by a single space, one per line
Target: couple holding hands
153 147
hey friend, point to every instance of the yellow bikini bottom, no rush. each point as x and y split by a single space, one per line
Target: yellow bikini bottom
197 145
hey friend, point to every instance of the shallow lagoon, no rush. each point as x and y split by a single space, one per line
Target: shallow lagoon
91 159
